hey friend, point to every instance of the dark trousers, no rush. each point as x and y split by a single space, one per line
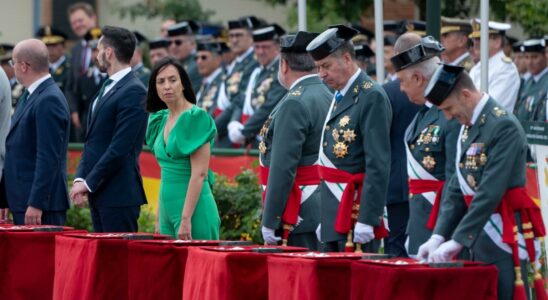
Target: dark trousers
305 240
48 218
398 216
115 219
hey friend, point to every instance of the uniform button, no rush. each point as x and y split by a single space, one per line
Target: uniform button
427 149
277 217
325 144
470 237
461 165
412 146
327 127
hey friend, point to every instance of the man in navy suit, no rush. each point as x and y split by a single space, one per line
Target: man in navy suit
34 177
397 204
108 175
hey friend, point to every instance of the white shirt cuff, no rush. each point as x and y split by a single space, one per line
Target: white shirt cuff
82 180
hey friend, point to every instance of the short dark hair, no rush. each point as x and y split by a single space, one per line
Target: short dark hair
464 82
121 40
347 47
301 62
154 103
86 7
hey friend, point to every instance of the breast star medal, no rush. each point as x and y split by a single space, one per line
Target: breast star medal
349 135
340 149
428 162
344 121
471 180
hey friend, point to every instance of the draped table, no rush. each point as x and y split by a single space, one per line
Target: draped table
156 268
28 256
228 272
93 265
407 279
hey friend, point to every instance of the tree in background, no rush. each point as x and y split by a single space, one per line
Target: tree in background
173 9
530 14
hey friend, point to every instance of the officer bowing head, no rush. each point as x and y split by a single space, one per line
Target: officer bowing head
333 53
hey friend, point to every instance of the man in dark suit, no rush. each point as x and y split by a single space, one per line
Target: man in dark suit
34 177
109 170
397 204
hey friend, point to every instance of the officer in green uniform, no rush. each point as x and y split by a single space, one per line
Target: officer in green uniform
289 148
209 62
240 37
487 188
454 37
354 154
263 91
59 64
531 104
137 66
430 139
157 49
183 47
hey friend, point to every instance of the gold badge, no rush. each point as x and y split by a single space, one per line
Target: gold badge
262 147
428 162
335 134
464 134
427 139
483 159
340 150
471 180
356 89
367 85
499 112
344 121
349 135
295 93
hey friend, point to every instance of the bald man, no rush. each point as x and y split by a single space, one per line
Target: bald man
34 176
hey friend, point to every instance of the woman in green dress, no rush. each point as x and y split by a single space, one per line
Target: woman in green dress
181 135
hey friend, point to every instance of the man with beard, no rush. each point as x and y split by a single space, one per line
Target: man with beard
108 174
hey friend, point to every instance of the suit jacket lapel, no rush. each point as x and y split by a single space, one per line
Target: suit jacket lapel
349 98
20 110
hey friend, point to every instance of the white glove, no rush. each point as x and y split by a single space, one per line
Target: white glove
429 247
235 132
445 252
319 232
269 237
363 233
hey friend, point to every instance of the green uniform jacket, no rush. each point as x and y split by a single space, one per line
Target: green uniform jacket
235 85
365 115
62 75
143 73
292 136
191 68
207 94
531 104
432 141
492 161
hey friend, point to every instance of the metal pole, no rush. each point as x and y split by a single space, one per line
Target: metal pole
379 38
433 19
302 14
484 46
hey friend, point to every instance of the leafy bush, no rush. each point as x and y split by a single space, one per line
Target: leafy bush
239 206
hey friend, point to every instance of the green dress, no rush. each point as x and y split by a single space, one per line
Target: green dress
193 129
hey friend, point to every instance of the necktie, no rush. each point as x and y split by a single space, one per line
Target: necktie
101 92
23 98
338 96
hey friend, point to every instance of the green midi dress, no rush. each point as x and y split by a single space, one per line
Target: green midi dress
192 130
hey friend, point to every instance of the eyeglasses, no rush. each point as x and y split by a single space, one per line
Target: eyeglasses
13 63
176 42
202 57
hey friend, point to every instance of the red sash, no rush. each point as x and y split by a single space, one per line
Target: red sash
306 175
217 112
345 217
419 186
244 118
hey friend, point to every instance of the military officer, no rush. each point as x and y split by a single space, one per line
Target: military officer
17 89
355 149
209 62
503 74
240 37
487 189
454 37
157 49
430 139
137 66
531 105
289 148
182 46
263 90
59 65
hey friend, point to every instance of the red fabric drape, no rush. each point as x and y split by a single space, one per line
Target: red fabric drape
417 186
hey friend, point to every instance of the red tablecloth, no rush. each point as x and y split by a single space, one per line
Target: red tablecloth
376 281
156 268
27 262
311 276
91 266
221 273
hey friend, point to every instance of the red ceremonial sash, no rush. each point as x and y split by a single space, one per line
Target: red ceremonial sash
419 186
217 112
354 182
244 118
306 175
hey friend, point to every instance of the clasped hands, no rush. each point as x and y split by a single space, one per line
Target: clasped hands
79 194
